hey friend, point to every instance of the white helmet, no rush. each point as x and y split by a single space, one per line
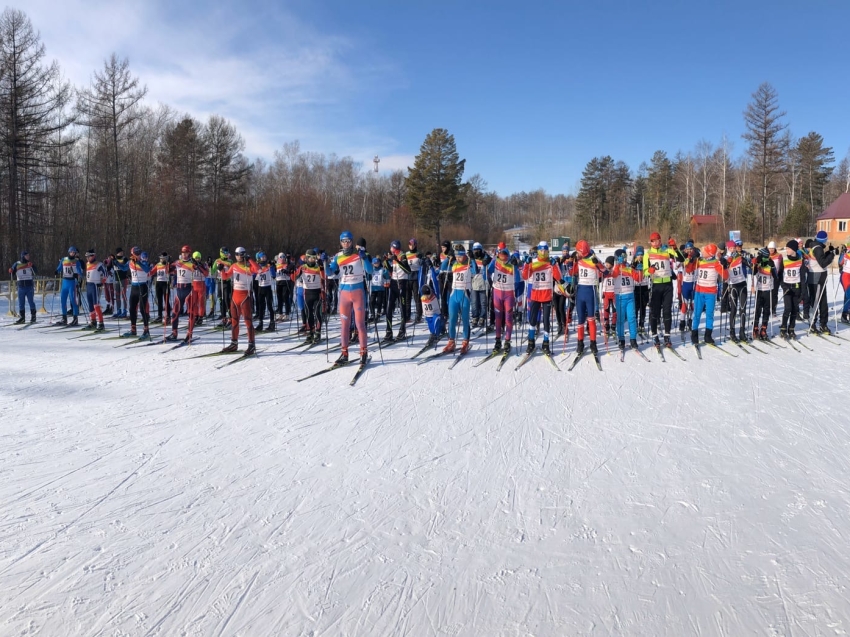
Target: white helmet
772 245
477 246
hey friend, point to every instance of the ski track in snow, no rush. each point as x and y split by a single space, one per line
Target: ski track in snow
143 496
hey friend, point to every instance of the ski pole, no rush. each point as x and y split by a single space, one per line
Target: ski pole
378 336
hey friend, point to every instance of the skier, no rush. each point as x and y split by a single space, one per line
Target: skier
417 277
109 285
737 269
139 268
431 312
624 276
790 274
398 292
686 287
709 272
265 277
445 278
844 264
23 272
609 292
504 276
184 268
199 288
540 275
462 269
641 289
379 282
820 258
478 298
586 272
121 270
764 287
312 277
95 276
224 287
283 283
241 274
71 270
564 265
161 275
657 265
776 257
352 268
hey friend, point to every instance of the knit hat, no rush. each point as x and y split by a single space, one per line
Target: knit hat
763 253
821 236
793 245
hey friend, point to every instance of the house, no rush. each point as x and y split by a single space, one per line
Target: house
835 220
706 227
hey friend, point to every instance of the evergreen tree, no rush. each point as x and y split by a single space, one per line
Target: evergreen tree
767 144
796 222
435 192
815 169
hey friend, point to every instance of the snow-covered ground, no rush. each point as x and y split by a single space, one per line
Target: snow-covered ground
146 494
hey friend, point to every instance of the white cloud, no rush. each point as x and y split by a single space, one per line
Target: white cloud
273 76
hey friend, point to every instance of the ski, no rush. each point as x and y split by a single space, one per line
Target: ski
489 356
309 347
622 355
23 327
525 358
148 343
803 345
660 353
675 353
244 356
428 346
577 358
752 346
596 358
433 356
144 337
824 337
772 341
307 344
182 343
699 352
210 355
720 349
359 371
333 367
741 347
552 360
640 353
488 330
460 355
503 359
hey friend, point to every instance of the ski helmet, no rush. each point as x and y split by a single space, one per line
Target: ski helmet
655 237
764 253
144 256
638 251
224 252
477 246
71 250
90 253
502 245
688 245
395 245
346 236
135 251
24 255
376 262
187 249
412 242
261 256
583 248
739 243
710 250
543 245
197 255
609 260
425 291
240 252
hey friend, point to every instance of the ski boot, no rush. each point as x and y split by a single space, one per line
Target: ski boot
732 336
156 321
667 342
187 339
545 347
593 348
622 344
497 346
682 326
763 333
633 344
252 349
199 320
171 338
32 319
91 325
755 332
464 347
388 338
695 337
343 358
402 335
506 347
257 328
845 318
708 338
62 321
234 345
74 322
107 311
131 333
450 346
742 335
364 357
531 346
272 327
783 333
100 327
825 330
814 329
656 341
21 320
580 347
146 333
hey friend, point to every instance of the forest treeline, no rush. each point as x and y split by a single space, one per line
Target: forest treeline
100 166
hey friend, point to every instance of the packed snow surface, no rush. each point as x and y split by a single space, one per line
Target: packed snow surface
146 494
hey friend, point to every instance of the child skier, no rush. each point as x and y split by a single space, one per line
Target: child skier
709 272
95 276
625 307
790 275
504 276
764 288
586 273
541 275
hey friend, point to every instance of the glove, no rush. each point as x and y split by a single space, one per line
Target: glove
651 270
220 267
362 253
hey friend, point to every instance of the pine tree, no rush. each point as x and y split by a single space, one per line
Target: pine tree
435 192
815 169
767 146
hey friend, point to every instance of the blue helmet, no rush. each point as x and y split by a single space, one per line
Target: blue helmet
72 249
144 256
260 255
396 245
24 255
346 236
638 250
376 262
543 245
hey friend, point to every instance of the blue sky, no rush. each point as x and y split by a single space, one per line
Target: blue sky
531 91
